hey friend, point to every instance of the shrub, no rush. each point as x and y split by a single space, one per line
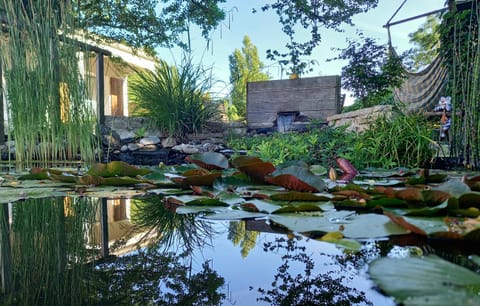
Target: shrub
176 99
396 140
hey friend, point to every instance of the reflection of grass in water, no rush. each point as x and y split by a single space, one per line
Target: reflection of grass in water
47 106
48 251
172 230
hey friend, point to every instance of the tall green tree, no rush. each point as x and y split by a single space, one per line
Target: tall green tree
427 44
311 16
245 66
372 70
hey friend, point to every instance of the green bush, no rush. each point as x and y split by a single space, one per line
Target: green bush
395 140
317 146
176 99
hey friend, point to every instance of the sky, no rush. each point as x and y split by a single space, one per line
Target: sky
264 30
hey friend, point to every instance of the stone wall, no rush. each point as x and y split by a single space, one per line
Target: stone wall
358 120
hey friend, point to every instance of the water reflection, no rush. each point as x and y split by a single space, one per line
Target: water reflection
81 251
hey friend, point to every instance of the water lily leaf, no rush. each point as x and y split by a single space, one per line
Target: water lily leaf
374 182
475 259
291 208
386 202
351 225
116 168
230 198
338 239
439 210
428 225
195 200
209 160
469 200
90 180
455 187
245 160
434 197
473 182
43 175
186 210
426 281
260 206
9 195
318 169
405 224
257 171
411 195
112 192
299 196
197 180
235 215
298 179
64 178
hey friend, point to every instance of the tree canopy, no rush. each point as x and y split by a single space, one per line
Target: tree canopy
245 66
155 23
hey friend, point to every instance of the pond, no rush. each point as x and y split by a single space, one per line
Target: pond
121 235
55 257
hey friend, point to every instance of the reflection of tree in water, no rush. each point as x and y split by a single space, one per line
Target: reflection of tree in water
160 274
152 276
239 235
307 288
159 220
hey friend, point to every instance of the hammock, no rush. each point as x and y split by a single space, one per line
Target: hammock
422 90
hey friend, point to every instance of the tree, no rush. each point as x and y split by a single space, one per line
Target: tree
245 66
310 15
372 70
148 23
427 44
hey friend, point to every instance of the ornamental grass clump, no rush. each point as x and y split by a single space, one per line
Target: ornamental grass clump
176 99
47 110
398 139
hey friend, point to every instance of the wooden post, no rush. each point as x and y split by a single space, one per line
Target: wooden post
100 89
104 227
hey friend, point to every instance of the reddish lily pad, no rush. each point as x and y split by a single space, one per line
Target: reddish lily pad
298 196
257 171
298 179
116 168
209 160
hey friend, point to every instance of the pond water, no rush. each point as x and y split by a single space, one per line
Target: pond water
54 253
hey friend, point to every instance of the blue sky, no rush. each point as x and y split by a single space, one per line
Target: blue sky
265 32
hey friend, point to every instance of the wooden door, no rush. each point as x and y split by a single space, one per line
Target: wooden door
116 94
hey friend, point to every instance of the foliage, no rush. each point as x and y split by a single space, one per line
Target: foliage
427 44
176 99
245 66
396 140
307 288
460 34
148 23
50 118
152 276
387 99
315 146
372 70
312 16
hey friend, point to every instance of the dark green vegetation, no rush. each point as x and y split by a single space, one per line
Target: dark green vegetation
395 140
47 113
176 99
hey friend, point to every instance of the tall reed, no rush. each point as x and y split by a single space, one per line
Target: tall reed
460 34
49 251
48 116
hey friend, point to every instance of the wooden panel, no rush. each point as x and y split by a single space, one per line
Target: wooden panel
316 98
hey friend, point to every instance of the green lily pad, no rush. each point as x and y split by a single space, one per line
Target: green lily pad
235 215
351 225
291 208
426 281
299 196
116 168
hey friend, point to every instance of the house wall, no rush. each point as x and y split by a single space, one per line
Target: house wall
315 98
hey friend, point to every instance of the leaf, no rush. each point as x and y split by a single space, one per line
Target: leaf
197 180
298 196
257 171
291 208
260 206
426 281
116 168
298 179
318 170
337 239
346 166
454 187
351 225
469 200
245 160
403 223
209 160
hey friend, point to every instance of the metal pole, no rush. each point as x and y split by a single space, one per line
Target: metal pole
100 89
104 228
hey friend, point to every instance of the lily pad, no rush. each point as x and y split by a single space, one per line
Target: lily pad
426 281
351 225
298 179
209 160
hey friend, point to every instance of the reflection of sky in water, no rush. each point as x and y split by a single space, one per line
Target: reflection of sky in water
257 270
